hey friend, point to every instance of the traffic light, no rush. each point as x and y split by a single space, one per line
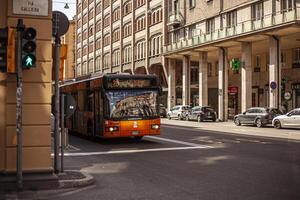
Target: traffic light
28 48
3 49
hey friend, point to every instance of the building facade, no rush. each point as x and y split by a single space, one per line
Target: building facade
36 99
69 63
233 55
120 36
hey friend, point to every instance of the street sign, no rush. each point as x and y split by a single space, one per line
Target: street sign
60 24
287 96
273 85
31 7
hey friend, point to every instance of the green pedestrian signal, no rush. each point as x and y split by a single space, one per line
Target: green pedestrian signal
28 48
28 61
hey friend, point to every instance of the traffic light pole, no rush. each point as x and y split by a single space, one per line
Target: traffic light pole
56 114
19 128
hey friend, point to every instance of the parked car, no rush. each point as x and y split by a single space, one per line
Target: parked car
258 116
179 112
162 110
289 120
201 113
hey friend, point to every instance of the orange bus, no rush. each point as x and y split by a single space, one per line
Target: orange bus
115 105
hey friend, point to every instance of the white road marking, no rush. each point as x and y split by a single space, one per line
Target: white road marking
177 141
73 147
134 151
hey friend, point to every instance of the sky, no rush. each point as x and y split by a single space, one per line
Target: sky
58 5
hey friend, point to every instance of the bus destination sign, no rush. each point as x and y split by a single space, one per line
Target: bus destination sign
128 83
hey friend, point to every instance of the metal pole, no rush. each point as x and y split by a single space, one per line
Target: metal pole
62 135
56 114
19 93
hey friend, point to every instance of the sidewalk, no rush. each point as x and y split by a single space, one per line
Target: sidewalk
230 127
37 185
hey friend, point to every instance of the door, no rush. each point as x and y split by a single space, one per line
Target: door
195 113
293 119
297 119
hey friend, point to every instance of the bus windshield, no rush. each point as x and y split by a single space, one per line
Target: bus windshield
128 104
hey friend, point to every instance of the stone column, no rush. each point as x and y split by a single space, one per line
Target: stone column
203 90
171 84
223 85
246 90
275 71
186 81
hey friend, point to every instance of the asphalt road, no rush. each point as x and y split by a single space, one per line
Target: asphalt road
186 164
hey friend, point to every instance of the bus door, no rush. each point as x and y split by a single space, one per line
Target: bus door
98 113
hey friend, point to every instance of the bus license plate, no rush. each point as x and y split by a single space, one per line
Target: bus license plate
135 132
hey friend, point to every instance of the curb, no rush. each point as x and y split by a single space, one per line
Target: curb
86 181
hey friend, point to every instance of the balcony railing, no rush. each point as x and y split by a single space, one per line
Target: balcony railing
175 18
245 27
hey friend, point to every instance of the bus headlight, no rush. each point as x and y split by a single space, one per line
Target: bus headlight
112 129
155 126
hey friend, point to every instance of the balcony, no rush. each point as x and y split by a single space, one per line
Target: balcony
244 28
175 19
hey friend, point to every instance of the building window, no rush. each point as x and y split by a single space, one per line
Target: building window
257 11
98 8
155 17
91 46
84 68
231 19
79 9
116 58
296 58
127 29
78 53
116 35
116 15
127 54
210 25
79 38
192 3
98 43
106 61
140 23
127 8
98 63
78 69
155 45
106 40
140 50
286 5
91 14
84 34
257 63
98 26
106 21
139 3
106 3
283 59
85 18
91 31
91 66
84 50
209 69
85 3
